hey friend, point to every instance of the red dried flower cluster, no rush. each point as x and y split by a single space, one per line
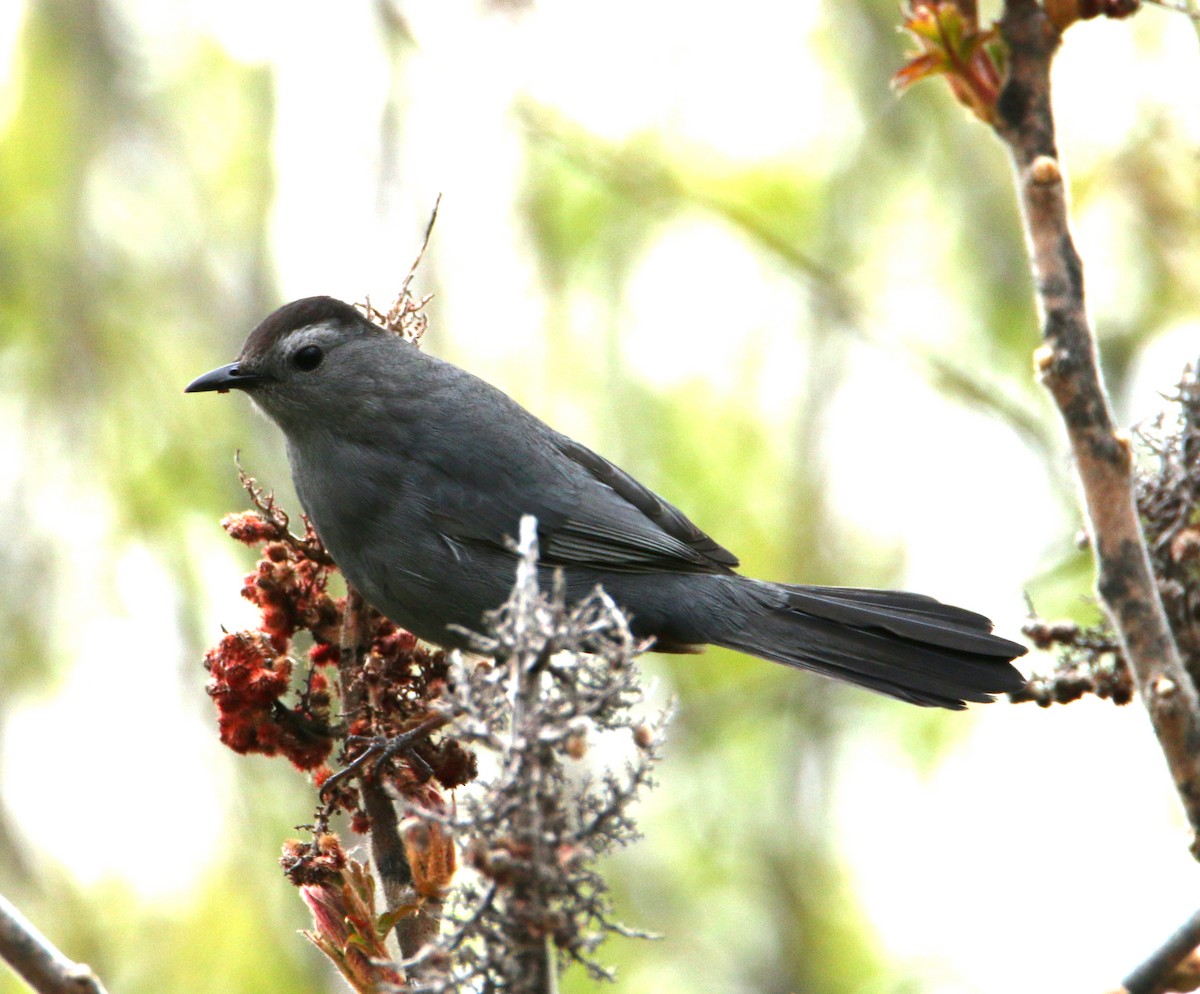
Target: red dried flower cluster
399 679
291 594
402 677
248 679
252 671
290 582
271 703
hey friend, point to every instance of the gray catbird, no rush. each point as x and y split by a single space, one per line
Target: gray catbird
415 473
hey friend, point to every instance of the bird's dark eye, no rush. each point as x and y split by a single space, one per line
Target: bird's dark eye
308 358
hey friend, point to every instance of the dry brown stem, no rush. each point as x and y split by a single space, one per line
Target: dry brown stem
413 931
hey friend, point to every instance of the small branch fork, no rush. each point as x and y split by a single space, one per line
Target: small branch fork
1068 366
38 961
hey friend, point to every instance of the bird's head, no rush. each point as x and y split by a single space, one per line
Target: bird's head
310 361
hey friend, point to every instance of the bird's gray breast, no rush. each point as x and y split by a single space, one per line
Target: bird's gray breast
377 512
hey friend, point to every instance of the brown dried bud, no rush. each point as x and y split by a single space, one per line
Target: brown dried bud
318 862
1186 545
1064 631
577 745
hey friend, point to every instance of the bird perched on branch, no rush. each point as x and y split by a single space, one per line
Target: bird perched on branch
416 473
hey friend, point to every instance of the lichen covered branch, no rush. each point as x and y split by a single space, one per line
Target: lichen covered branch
532 830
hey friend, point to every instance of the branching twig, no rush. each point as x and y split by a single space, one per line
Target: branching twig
1068 367
38 961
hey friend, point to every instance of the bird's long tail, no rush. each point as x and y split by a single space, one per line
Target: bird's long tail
905 645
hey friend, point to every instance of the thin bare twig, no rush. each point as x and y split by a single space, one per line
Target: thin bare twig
1068 366
38 960
1161 971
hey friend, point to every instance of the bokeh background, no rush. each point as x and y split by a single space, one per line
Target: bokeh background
707 240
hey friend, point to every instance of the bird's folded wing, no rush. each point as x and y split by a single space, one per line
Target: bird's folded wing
591 514
667 518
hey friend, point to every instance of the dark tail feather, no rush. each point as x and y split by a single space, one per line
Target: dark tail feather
905 645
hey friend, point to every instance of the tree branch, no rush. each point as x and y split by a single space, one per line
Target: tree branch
1068 366
1169 967
387 849
38 961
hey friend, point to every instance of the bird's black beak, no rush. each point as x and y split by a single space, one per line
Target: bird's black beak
224 379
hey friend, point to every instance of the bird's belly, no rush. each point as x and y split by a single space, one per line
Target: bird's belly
377 530
422 582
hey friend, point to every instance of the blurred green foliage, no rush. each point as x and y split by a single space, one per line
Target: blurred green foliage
134 254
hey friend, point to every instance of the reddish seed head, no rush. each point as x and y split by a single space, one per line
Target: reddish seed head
248 527
275 619
248 680
453 765
308 754
323 654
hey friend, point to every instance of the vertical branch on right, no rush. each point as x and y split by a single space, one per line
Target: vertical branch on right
1002 75
1067 365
